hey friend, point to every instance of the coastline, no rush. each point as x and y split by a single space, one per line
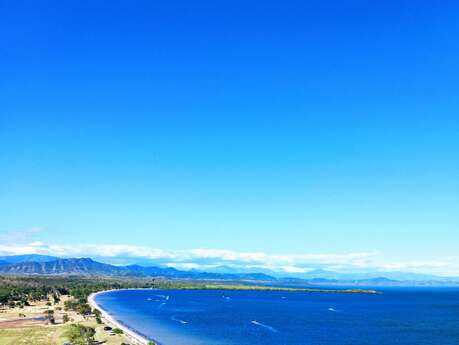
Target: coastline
134 337
138 339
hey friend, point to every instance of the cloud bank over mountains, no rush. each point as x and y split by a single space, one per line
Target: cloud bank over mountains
205 258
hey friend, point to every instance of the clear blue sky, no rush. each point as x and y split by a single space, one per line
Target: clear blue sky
282 127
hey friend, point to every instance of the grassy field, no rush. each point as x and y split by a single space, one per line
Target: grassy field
37 335
52 335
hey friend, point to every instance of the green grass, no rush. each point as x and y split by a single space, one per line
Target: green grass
38 335
33 335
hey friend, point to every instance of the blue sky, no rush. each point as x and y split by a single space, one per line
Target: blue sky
323 131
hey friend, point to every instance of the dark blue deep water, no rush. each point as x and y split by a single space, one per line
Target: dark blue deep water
189 317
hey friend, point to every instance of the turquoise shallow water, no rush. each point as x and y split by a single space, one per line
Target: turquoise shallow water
190 317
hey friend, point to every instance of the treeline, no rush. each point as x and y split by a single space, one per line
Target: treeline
20 291
23 290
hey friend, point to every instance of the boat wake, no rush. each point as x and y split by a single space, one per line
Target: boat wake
183 322
162 305
162 298
272 329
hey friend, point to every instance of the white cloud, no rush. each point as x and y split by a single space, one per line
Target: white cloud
445 266
293 269
184 265
207 257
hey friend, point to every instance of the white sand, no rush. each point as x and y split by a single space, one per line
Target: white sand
107 319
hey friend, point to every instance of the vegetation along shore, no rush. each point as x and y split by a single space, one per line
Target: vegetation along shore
51 310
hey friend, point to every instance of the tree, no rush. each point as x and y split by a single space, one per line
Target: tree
4 296
84 309
117 331
98 315
49 314
80 335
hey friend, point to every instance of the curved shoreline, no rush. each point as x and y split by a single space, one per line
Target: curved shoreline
134 337
138 339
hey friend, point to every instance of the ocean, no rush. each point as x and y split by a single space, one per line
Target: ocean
405 316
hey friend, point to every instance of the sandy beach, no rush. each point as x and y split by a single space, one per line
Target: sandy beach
135 338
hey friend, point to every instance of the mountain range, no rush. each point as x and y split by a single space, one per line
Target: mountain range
331 275
34 264
86 266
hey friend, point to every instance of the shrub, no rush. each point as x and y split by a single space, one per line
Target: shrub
117 331
80 335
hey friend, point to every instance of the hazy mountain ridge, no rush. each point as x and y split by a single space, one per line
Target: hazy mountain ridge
330 276
87 266
48 265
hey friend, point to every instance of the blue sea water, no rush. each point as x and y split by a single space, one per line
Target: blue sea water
421 316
